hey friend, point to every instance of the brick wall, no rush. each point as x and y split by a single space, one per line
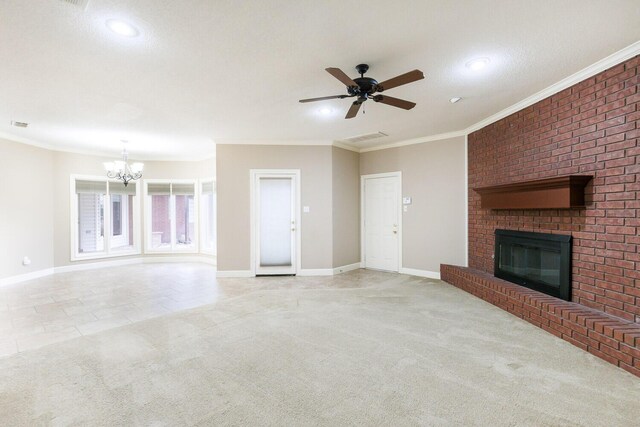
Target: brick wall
590 128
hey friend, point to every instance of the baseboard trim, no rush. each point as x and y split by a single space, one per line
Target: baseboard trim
329 271
96 265
315 272
305 272
11 280
420 273
345 268
234 273
137 260
206 259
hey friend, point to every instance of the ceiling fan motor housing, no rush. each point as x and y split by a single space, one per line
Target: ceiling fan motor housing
366 86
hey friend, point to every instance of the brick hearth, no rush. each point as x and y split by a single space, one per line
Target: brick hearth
613 339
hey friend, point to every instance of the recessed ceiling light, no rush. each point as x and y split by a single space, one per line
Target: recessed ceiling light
477 64
325 111
122 28
455 99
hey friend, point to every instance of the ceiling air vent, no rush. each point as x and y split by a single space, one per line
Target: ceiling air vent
82 4
356 140
19 124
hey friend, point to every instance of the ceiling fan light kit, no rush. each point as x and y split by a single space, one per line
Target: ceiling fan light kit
365 88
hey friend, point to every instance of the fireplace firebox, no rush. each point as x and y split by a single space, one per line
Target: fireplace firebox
538 261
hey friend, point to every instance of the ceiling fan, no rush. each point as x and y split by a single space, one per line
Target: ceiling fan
365 88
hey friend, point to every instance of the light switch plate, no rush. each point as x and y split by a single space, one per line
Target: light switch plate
406 200
306 209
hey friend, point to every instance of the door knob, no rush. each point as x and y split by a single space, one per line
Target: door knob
293 229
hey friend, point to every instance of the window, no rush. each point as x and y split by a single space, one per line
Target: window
116 214
90 197
103 220
208 216
171 216
122 216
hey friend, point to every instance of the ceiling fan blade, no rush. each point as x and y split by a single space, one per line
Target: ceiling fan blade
395 102
400 80
353 110
323 98
340 75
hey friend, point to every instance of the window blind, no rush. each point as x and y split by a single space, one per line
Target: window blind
155 189
182 189
93 187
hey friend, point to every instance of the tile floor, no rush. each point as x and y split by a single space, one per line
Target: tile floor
360 348
64 306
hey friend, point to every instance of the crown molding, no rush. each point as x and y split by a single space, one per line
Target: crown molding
99 153
290 143
414 141
346 146
272 142
590 71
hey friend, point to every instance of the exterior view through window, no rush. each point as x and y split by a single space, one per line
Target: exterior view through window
104 222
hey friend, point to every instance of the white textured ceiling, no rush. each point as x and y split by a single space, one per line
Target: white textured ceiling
230 71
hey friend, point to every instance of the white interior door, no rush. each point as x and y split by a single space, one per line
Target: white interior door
275 223
381 222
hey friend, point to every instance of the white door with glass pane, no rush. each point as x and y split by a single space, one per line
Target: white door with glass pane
275 222
381 204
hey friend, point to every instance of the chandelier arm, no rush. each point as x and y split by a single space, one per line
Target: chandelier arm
124 174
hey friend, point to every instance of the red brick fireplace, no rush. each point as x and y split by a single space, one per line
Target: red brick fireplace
591 128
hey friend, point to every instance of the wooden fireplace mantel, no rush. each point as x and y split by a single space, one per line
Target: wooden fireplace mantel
562 192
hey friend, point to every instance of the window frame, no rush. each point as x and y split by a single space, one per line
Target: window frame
107 252
148 216
215 217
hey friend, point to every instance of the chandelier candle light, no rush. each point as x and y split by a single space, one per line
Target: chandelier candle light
121 170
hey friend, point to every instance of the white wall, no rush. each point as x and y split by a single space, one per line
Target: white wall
233 165
26 205
433 175
346 206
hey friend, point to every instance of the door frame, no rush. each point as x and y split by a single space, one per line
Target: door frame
363 243
254 175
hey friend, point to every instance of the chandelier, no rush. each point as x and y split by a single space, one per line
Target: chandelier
120 169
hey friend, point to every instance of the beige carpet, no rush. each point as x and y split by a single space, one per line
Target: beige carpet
363 348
